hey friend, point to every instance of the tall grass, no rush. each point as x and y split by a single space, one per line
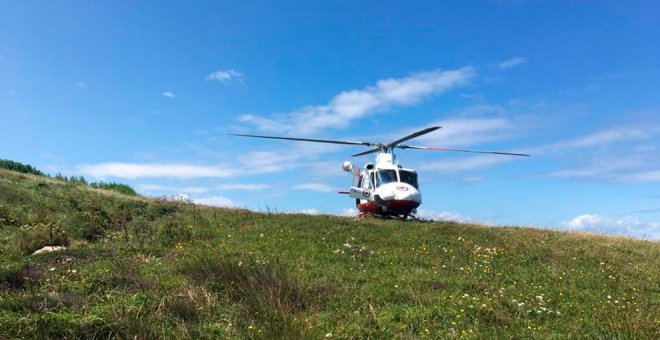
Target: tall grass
164 268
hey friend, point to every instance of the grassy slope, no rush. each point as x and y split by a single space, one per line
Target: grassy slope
146 268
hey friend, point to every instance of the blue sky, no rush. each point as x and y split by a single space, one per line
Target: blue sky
146 94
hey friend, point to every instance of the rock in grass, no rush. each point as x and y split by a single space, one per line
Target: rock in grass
48 249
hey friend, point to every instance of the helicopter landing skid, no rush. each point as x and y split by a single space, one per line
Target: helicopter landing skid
405 217
363 215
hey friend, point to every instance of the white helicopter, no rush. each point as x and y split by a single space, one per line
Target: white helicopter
385 189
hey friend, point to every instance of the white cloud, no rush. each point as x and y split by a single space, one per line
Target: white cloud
468 163
440 216
309 211
624 154
224 75
626 225
163 188
81 84
469 131
600 138
264 124
168 94
513 62
267 161
291 156
652 176
350 212
602 169
250 163
133 170
355 104
321 187
242 186
216 201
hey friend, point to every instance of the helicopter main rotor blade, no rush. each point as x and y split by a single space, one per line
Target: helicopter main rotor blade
413 135
376 149
307 140
461 150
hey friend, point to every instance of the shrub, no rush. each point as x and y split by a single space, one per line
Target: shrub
5 219
29 238
90 224
117 187
20 167
174 232
264 290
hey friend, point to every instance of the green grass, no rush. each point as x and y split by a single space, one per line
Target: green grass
137 267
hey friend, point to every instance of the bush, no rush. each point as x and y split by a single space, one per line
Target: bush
174 232
117 187
5 219
267 293
30 238
20 167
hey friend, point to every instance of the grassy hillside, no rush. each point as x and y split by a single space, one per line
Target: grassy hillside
155 268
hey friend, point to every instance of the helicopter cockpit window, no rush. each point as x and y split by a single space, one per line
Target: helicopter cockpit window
385 176
409 177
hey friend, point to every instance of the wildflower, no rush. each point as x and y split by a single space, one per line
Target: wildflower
51 269
261 235
328 335
250 327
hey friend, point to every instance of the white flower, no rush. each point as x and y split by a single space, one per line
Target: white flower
328 335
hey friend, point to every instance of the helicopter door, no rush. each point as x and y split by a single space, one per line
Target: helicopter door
361 188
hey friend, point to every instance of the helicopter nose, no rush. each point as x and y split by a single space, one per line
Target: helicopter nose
406 192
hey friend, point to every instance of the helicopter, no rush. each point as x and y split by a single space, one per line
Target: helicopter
385 189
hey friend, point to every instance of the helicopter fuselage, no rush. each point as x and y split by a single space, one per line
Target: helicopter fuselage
385 189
